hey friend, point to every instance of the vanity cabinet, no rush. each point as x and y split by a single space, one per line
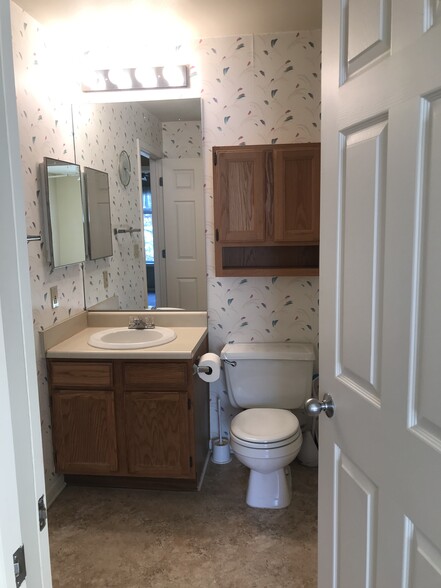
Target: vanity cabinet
83 417
267 209
133 423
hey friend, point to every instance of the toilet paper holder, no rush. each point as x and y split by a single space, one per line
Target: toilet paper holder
201 369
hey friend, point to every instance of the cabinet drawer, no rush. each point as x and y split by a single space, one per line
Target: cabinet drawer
77 373
155 376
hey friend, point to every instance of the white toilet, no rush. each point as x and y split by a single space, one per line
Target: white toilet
269 380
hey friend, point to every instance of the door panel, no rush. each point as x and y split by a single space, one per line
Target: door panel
380 319
357 495
362 196
366 32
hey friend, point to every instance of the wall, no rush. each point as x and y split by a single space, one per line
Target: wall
258 89
255 89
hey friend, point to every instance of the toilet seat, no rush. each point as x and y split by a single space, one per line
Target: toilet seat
265 428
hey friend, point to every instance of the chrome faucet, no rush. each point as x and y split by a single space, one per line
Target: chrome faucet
139 322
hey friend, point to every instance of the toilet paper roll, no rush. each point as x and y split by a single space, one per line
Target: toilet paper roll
212 361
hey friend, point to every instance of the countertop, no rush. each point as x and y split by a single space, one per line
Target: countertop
69 339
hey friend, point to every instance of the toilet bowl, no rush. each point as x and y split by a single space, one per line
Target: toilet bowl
267 440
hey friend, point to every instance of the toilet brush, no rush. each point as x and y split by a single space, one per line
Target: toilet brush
221 447
219 419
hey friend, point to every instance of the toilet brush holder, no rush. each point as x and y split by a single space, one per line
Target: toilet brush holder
221 451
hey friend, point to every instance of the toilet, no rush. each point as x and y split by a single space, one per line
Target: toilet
268 380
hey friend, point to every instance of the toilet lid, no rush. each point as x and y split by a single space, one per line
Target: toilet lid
265 425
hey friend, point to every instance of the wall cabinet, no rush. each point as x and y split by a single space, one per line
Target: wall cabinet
139 423
267 209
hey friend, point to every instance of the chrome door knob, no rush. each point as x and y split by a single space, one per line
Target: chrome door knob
313 406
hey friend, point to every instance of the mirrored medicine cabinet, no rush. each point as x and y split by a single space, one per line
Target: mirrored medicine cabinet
78 225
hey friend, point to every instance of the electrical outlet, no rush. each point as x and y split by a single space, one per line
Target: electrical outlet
136 250
54 297
106 279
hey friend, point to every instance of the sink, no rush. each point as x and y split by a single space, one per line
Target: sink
124 338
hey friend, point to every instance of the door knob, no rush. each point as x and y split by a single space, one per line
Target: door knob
313 406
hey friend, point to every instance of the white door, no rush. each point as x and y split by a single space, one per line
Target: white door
19 404
10 532
380 282
184 222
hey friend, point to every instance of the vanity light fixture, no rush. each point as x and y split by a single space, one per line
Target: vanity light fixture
147 78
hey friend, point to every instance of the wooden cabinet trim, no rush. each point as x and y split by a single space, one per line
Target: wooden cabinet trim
155 375
73 374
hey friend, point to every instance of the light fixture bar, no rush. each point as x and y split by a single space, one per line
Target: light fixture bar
113 79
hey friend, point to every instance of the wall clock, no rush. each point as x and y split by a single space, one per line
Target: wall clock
124 168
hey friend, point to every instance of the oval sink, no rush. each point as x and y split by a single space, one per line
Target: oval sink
124 338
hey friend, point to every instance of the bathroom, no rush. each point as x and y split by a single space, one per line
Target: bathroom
235 75
379 303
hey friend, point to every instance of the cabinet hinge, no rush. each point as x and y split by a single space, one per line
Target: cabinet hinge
161 181
214 158
189 404
191 461
163 253
217 234
19 566
42 513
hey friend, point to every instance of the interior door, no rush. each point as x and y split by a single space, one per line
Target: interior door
380 279
20 425
184 223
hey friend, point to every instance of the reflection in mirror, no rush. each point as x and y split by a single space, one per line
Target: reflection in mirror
99 224
165 133
61 183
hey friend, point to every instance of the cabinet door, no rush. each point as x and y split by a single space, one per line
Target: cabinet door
297 193
239 194
157 438
84 431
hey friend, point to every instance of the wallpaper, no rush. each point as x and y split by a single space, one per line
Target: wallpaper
255 89
101 132
182 139
259 89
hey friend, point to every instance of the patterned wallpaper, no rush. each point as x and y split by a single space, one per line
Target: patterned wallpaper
258 90
255 89
102 131
182 139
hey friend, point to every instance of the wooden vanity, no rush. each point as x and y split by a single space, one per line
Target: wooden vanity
129 419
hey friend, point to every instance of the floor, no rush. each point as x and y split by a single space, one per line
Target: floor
151 539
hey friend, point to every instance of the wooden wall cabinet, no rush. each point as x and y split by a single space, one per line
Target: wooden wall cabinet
138 423
267 209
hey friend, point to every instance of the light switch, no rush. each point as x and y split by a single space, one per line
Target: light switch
54 297
106 279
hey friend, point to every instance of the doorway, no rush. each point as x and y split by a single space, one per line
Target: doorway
147 215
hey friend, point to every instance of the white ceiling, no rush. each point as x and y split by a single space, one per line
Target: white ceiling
205 18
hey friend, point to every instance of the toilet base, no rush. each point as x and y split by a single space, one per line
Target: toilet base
271 490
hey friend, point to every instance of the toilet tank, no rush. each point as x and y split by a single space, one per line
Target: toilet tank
273 375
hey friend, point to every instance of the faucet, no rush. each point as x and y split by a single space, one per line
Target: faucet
138 322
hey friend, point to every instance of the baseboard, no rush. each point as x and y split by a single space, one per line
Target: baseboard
54 489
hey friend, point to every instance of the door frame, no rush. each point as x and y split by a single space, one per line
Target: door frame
158 219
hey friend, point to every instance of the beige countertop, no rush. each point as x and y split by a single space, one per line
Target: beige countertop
69 339
184 346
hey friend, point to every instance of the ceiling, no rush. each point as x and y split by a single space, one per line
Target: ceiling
205 18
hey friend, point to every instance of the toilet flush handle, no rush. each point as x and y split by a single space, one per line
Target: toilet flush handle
313 406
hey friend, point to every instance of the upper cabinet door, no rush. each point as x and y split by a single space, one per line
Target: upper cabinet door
297 193
239 188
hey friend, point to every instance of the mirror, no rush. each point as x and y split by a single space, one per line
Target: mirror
157 135
99 224
61 185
